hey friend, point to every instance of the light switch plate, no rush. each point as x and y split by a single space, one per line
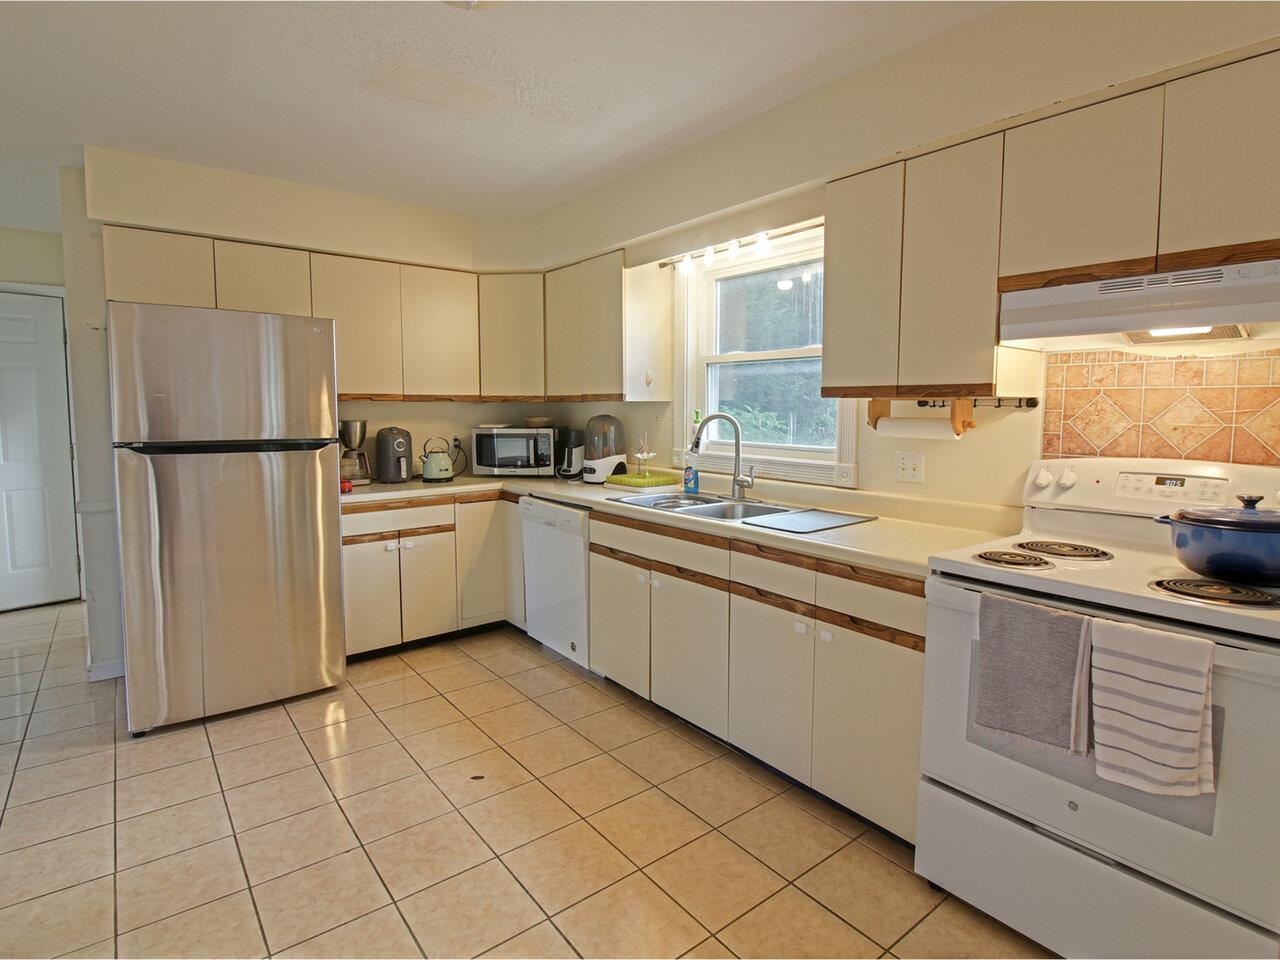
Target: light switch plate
908 467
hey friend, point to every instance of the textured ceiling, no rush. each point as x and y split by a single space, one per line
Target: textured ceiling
507 108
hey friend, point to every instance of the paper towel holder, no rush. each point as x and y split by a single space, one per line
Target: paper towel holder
961 413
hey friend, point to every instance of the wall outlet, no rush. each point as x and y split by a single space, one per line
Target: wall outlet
908 467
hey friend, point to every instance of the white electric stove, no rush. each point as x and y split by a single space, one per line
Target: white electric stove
1085 866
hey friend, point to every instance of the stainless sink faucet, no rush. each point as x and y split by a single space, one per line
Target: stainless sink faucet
741 483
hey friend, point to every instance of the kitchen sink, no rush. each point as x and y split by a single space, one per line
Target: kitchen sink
732 510
668 501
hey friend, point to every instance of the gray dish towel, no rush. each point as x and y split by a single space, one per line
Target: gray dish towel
1033 673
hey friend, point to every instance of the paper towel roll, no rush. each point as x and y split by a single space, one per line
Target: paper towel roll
916 428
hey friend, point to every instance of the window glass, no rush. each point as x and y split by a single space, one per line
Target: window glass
777 309
776 401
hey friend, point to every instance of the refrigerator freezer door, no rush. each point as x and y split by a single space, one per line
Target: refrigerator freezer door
232 579
188 374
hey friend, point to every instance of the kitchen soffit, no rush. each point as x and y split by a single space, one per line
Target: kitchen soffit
510 107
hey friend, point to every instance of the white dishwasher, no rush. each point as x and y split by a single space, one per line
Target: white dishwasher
556 547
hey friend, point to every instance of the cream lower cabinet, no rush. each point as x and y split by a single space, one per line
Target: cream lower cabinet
428 583
514 532
771 653
689 647
619 619
371 594
481 558
867 700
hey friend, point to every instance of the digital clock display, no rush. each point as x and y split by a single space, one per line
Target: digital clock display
1171 481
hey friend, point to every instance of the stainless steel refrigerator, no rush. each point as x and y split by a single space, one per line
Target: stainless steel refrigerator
224 426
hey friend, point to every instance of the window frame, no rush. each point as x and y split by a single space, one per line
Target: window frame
696 309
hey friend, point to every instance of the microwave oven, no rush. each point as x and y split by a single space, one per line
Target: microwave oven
513 451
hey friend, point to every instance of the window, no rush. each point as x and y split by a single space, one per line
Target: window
754 350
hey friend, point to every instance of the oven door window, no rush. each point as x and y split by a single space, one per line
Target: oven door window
507 452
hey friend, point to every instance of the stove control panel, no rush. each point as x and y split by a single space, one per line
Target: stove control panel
1178 488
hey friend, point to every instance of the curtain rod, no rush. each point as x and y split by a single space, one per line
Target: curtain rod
748 242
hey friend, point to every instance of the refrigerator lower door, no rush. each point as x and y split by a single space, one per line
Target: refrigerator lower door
232 579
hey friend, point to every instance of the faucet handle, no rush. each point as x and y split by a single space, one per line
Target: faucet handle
750 479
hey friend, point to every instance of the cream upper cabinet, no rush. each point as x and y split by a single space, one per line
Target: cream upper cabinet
511 336
608 331
1221 139
145 266
440 324
482 562
262 279
1083 190
950 264
863 271
362 297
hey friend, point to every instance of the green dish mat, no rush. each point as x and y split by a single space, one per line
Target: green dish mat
655 478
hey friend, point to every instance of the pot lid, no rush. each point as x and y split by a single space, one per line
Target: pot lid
1247 517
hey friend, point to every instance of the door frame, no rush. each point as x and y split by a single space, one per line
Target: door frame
59 292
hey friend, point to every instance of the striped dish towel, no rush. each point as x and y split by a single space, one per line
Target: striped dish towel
1153 709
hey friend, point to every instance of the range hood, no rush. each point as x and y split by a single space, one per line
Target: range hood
1214 303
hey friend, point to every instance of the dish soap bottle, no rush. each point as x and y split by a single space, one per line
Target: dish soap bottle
690 471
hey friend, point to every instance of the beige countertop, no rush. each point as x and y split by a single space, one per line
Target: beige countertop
895 545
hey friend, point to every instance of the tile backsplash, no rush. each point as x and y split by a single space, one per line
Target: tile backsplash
1113 403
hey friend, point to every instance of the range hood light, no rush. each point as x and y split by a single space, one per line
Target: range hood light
1179 331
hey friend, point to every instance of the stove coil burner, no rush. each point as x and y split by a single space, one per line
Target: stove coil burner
1064 551
1012 558
1215 591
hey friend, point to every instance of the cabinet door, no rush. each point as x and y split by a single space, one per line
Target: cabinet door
371 594
867 697
440 321
362 297
862 283
950 263
1082 193
511 337
428 583
262 279
514 531
145 266
649 332
585 329
481 549
619 605
1218 183
689 650
771 684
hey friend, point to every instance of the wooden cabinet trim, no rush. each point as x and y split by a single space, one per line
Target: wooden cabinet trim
776 554
881 390
693 576
1218 256
508 496
662 530
512 398
441 398
370 396
870 628
621 556
378 506
371 537
933 391
1088 273
482 496
771 599
872 577
428 531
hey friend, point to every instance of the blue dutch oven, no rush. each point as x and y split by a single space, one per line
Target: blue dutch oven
1239 544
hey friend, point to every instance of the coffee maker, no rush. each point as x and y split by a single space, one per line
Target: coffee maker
354 464
395 455
570 444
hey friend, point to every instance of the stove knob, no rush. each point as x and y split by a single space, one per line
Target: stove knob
1043 478
1068 479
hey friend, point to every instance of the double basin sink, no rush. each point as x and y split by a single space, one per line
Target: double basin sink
694 505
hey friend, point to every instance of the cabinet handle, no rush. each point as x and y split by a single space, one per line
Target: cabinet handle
391 545
801 627
825 635
639 578
655 583
408 544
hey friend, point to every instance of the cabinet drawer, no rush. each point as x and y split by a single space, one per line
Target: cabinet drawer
902 611
408 518
706 554
778 571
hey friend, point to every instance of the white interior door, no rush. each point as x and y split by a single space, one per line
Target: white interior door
37 506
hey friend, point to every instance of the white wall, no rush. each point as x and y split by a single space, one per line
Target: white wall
91 416
30 256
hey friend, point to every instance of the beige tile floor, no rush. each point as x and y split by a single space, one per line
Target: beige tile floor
480 797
